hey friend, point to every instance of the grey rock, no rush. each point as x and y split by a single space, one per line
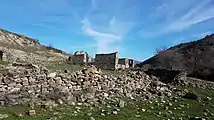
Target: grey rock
31 112
3 116
91 118
114 112
52 75
121 103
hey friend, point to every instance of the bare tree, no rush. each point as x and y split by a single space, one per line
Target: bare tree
160 49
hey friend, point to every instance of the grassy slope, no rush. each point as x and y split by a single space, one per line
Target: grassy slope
2 64
132 111
61 66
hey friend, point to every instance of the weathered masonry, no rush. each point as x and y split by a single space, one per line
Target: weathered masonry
107 61
1 55
79 57
125 63
131 63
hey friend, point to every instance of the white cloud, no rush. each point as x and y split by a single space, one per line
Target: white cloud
103 40
97 34
191 16
107 35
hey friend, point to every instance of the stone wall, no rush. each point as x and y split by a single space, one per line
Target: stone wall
168 76
131 63
107 61
79 57
1 55
125 63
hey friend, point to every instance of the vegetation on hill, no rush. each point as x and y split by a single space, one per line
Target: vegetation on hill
196 58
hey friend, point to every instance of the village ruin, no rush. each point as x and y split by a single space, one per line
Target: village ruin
106 61
125 63
109 61
79 57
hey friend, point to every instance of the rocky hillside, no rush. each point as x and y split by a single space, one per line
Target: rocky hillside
196 58
21 48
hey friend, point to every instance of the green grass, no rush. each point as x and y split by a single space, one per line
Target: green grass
61 66
2 64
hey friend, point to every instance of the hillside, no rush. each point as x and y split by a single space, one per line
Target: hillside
196 58
18 47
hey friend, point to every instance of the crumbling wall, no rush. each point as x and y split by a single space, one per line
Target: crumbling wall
1 55
123 63
79 57
167 76
107 61
131 63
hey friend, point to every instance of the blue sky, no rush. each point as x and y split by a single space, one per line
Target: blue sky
135 28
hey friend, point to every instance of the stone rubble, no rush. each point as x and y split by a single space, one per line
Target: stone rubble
32 84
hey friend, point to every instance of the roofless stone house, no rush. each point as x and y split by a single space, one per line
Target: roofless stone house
107 61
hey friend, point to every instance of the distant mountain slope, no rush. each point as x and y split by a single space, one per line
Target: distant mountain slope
21 48
196 58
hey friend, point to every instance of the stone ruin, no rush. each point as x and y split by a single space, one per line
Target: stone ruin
168 76
79 57
125 63
107 61
2 56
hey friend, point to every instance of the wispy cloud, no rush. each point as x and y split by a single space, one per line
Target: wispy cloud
107 34
159 8
182 19
193 17
102 39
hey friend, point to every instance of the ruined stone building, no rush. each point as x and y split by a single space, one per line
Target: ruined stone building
124 63
79 57
2 56
107 61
